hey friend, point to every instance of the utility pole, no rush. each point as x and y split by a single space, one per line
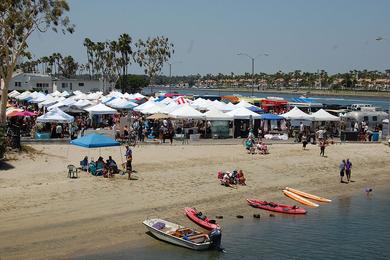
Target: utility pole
253 66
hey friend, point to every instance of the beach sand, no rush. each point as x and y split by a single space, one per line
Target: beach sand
45 215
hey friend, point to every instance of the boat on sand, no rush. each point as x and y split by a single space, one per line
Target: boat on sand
300 199
276 207
201 219
308 195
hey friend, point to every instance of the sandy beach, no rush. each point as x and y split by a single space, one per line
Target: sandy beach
45 215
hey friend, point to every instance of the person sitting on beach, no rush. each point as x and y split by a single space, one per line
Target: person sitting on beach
100 166
225 180
84 164
113 167
220 175
249 146
240 177
263 148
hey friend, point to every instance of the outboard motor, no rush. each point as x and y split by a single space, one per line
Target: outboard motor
215 238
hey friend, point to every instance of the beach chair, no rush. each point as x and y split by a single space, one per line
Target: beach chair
72 171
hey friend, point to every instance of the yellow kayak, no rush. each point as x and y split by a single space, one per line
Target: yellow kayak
308 195
299 198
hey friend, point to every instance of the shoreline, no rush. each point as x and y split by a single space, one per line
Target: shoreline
46 215
346 93
229 219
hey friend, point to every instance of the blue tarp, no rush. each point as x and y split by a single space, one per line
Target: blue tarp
159 99
271 117
109 100
256 109
95 141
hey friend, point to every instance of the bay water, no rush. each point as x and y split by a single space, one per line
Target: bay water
351 227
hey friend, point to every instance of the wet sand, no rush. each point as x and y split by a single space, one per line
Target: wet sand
46 215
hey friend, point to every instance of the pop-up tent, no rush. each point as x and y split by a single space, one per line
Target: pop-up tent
271 117
94 141
186 112
101 109
297 114
55 115
216 115
322 115
243 113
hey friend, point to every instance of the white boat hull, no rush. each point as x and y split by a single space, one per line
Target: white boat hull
175 240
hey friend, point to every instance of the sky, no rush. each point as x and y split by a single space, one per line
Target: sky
307 35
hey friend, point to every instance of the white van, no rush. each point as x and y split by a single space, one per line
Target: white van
355 107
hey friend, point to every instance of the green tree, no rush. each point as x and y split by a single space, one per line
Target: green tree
18 20
68 67
132 83
152 54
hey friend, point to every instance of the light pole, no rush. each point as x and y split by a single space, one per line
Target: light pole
380 38
170 74
253 65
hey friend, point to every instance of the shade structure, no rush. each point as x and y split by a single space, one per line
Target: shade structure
13 93
255 109
147 104
55 115
82 103
94 141
243 113
101 109
322 115
24 95
297 114
158 116
170 108
270 117
186 112
21 113
243 103
155 108
216 115
121 103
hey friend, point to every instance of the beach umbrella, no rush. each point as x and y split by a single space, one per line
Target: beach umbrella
95 141
21 113
158 116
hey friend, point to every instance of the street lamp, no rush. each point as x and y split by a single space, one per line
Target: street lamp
380 38
253 65
170 74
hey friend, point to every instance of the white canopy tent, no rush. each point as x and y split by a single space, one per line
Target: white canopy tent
243 113
216 115
82 103
170 108
297 114
24 95
155 108
147 104
55 115
243 103
13 93
121 103
322 115
101 109
186 112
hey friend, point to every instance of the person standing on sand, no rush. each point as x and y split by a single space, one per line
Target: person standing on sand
348 168
322 148
342 169
129 159
304 141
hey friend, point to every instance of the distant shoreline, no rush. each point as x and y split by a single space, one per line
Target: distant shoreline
298 92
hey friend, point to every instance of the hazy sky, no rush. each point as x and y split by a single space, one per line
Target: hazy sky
334 35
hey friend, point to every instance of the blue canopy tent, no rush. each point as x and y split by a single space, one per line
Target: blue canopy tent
270 117
95 141
255 109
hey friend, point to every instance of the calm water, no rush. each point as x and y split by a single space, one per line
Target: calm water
339 100
351 227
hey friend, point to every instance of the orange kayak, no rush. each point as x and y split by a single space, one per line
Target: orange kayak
299 198
308 195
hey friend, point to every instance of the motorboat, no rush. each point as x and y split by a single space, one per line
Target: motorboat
183 236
